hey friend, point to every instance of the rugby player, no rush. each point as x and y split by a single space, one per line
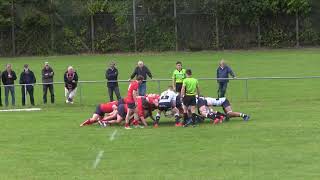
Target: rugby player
132 99
101 110
190 89
168 102
224 102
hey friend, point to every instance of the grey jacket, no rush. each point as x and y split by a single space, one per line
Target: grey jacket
224 73
47 77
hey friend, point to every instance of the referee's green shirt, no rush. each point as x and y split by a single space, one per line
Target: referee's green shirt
191 86
179 76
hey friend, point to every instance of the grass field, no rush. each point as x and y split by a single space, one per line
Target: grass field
281 141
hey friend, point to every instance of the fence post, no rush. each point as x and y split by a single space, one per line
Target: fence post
80 92
159 88
13 34
246 90
134 24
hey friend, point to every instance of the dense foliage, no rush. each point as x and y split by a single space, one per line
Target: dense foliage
66 26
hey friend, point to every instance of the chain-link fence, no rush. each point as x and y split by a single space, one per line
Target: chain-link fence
83 26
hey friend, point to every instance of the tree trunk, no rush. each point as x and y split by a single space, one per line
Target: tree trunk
217 32
297 30
92 34
259 34
52 28
134 24
13 34
176 23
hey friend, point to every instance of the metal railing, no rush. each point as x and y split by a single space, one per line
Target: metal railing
158 82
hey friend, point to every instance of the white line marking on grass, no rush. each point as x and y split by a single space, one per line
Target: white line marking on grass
98 159
20 110
113 135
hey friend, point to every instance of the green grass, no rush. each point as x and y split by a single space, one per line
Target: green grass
280 142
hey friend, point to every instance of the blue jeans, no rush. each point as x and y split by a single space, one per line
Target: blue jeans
10 89
142 89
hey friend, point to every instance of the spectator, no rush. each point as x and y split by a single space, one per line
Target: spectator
179 74
223 71
112 75
0 90
142 70
71 82
28 79
8 78
47 80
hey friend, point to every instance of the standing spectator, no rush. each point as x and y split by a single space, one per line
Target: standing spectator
223 71
112 75
28 79
47 80
8 78
142 70
179 74
71 82
0 90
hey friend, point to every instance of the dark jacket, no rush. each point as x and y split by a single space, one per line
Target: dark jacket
144 71
224 73
70 80
27 78
5 78
46 75
112 75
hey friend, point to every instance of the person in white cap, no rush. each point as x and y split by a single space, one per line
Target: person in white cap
71 82
47 80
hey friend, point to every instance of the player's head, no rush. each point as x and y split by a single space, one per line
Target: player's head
140 79
189 72
179 65
170 88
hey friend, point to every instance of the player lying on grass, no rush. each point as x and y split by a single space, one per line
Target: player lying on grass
167 102
102 109
206 112
225 104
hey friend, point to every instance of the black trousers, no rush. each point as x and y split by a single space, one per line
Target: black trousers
222 89
114 89
45 91
24 91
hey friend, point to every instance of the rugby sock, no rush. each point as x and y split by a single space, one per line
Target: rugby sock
242 114
185 118
194 117
177 118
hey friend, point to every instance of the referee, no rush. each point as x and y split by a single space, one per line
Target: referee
179 74
190 89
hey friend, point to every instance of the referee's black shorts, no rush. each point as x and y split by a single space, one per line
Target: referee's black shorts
178 87
189 100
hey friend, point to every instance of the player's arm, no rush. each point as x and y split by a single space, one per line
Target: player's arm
174 83
198 90
183 90
135 95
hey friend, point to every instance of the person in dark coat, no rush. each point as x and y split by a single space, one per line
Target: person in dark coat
223 71
8 78
142 70
112 75
71 83
47 80
28 80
